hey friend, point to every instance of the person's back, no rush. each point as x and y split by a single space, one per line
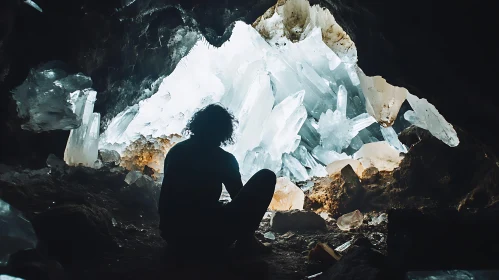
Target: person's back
194 172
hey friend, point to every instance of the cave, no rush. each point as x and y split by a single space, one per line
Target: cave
374 117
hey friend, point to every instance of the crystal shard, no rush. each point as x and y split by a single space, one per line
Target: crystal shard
383 101
296 169
350 221
82 146
427 117
287 196
380 155
391 138
16 232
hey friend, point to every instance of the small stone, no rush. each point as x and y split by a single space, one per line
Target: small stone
297 220
287 196
110 157
379 219
350 221
370 175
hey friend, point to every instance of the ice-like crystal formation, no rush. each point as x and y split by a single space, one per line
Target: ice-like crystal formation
44 99
82 146
34 5
294 86
380 155
426 116
16 232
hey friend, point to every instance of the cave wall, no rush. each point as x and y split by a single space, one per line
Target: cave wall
439 51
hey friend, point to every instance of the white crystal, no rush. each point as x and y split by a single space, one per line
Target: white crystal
297 170
133 176
380 155
383 101
382 218
82 145
392 138
350 221
429 118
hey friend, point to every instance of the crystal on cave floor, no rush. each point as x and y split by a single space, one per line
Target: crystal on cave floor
350 221
427 117
133 176
380 155
344 246
16 232
287 196
82 145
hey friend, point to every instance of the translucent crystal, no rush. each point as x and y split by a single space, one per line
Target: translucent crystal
287 196
344 246
429 118
110 156
82 145
327 156
336 166
45 103
307 160
297 170
380 155
392 138
34 5
269 235
350 221
16 232
383 101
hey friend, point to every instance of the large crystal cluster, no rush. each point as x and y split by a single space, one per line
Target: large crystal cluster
44 99
302 103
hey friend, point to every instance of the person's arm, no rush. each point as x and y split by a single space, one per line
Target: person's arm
233 182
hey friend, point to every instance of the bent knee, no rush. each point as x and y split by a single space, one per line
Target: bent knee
267 175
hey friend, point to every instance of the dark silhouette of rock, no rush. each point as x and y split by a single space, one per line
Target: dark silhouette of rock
73 232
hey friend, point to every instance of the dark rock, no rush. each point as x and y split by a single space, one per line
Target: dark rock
441 239
142 194
413 135
296 220
148 171
358 263
56 164
73 232
370 175
448 175
110 157
351 193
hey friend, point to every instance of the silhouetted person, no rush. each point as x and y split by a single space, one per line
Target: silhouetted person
194 171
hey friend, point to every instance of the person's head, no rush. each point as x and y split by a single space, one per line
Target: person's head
213 125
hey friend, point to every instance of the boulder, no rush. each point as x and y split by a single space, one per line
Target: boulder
73 232
296 220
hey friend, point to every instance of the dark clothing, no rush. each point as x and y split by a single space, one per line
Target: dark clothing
189 205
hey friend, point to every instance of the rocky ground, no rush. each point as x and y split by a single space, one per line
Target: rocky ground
99 227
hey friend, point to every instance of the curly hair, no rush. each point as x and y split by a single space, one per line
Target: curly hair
214 124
